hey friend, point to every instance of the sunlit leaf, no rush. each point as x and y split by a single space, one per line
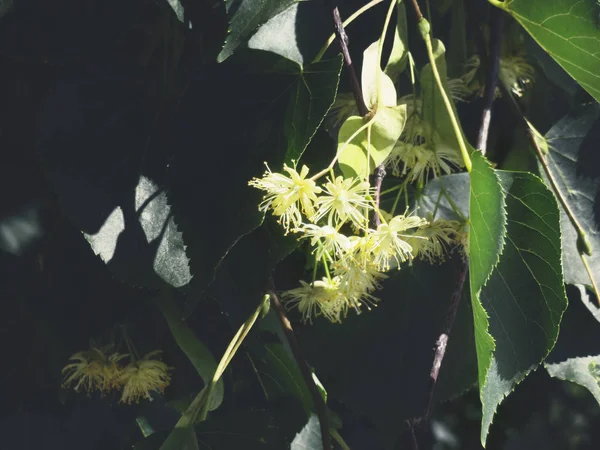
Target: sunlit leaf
372 145
524 296
245 17
399 55
567 30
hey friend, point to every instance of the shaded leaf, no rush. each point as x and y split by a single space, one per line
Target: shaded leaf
196 351
584 371
141 246
310 436
565 29
280 375
405 326
524 297
573 161
93 141
245 16
181 439
311 96
578 339
212 165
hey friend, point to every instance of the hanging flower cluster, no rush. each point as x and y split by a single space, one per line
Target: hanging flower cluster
354 264
97 369
421 153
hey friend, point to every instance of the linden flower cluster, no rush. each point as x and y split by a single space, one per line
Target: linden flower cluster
96 369
420 153
354 264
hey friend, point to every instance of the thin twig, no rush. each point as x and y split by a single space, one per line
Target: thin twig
493 63
442 341
418 13
319 403
360 102
379 176
343 40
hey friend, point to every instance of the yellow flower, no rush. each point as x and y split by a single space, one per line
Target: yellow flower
345 199
419 162
288 196
321 297
140 377
328 241
388 242
356 278
93 370
439 235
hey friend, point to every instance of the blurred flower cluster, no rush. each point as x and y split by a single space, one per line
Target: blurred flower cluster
103 370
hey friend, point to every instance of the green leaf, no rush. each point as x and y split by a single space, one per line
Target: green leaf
399 55
212 164
309 437
196 351
367 149
486 239
370 68
572 160
245 17
584 371
311 97
525 296
279 374
567 30
241 429
181 439
570 359
283 36
139 247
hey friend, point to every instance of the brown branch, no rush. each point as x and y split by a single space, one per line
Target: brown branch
319 403
343 41
418 13
442 341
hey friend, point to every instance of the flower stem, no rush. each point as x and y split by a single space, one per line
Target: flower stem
380 52
425 30
230 352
